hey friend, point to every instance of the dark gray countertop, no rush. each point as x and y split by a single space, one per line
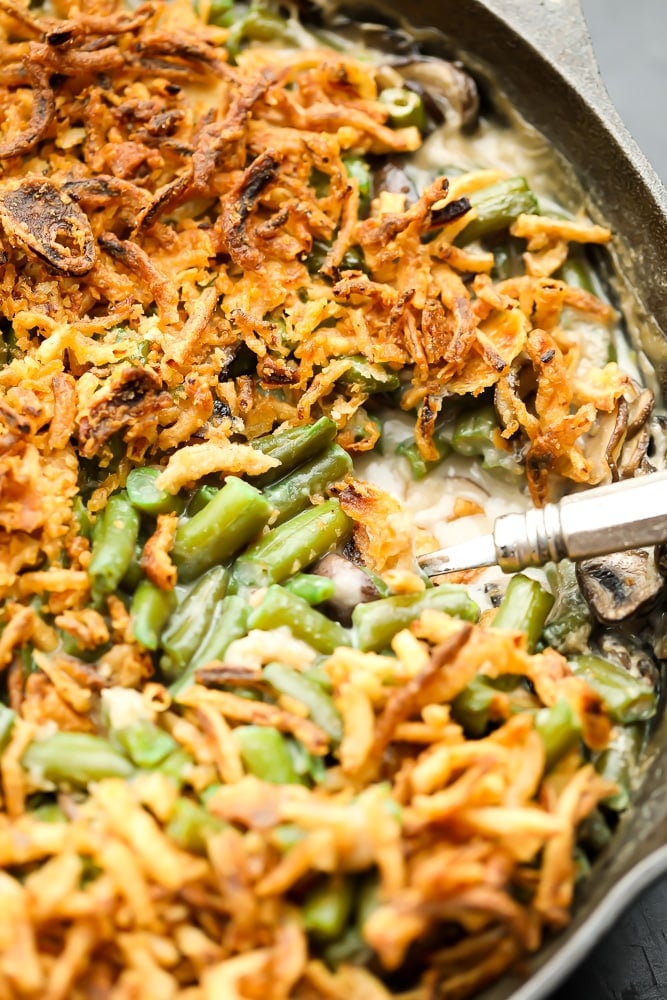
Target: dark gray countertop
630 38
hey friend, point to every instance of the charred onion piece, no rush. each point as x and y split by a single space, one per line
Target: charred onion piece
619 585
38 217
353 586
41 116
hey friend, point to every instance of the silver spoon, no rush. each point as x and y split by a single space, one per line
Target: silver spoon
625 515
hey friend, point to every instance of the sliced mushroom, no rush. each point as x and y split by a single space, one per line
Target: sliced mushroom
447 90
619 585
37 216
353 586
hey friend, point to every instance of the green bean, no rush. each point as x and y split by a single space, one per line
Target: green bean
310 587
293 494
176 765
292 546
82 518
508 260
626 699
145 743
228 622
231 519
594 831
619 763
473 707
405 107
219 10
190 825
497 207
358 168
113 546
419 466
375 624
475 434
369 377
307 764
191 620
7 719
201 496
327 908
320 705
285 836
49 812
293 447
265 754
76 759
279 607
150 609
576 272
559 728
569 623
147 497
259 25
524 608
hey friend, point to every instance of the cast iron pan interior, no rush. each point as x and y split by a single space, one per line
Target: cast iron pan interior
538 53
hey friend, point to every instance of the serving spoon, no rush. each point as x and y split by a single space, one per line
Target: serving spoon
625 515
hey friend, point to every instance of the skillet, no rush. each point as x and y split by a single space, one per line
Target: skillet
538 54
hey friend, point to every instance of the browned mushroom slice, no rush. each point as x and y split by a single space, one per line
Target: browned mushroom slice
630 654
619 585
446 89
41 115
38 217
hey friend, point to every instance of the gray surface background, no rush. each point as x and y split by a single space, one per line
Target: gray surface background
630 40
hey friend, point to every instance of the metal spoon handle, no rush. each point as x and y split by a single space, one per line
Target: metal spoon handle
613 518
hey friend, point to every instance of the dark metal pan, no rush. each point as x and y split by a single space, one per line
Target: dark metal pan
538 53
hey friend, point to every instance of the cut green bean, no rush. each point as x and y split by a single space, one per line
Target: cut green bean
619 763
292 546
190 825
228 622
524 608
176 766
419 466
280 608
311 588
358 168
473 707
594 831
200 498
293 447
232 518
113 546
405 107
320 705
293 494
150 609
369 377
569 623
147 497
7 719
375 624
265 754
626 699
82 517
497 207
475 434
49 812
327 908
559 728
258 24
145 743
219 11
576 272
191 620
75 759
